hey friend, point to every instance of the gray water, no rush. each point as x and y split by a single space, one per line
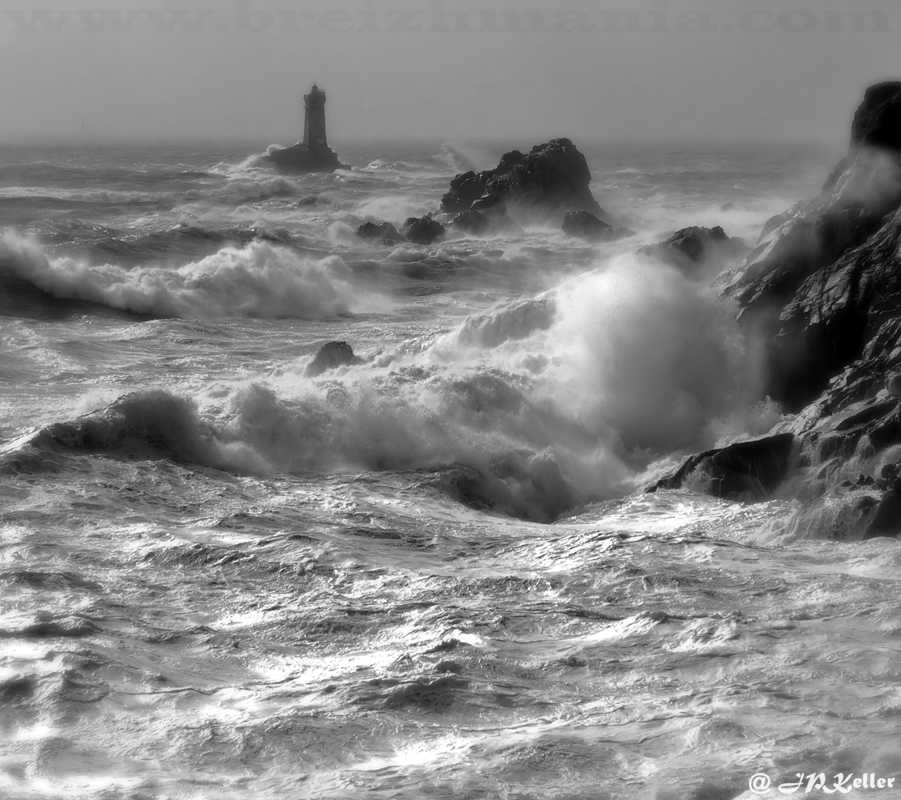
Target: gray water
431 575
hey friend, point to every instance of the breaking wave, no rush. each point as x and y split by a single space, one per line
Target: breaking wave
260 279
530 409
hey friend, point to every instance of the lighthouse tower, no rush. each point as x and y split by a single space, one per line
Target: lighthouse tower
314 120
313 154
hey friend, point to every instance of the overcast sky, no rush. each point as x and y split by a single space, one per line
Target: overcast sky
451 69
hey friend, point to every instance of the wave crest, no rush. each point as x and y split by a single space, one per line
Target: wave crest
260 279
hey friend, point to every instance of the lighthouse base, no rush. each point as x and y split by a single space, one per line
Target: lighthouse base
299 158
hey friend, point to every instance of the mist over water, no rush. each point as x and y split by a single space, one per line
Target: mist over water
432 573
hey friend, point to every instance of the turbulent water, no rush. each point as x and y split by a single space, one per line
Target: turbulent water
429 575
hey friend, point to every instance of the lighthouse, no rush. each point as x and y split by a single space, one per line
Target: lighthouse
313 153
314 120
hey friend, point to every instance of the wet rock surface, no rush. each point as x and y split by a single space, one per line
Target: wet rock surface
743 471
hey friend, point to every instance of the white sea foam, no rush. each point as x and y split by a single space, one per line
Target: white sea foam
260 279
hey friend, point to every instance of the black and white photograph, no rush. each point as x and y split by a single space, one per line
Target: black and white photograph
450 400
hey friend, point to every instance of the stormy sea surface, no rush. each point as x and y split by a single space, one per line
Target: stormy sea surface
433 574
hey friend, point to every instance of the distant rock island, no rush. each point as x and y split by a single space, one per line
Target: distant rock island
551 182
312 154
552 177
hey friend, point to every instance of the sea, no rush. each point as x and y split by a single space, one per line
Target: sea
435 573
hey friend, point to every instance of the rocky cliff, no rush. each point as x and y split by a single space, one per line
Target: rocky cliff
821 292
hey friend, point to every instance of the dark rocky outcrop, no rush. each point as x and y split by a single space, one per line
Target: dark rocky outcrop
585 225
690 248
551 178
331 356
383 232
743 471
423 230
833 314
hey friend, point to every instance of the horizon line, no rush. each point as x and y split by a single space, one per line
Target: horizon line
52 140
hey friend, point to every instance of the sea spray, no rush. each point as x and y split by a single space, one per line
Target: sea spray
548 402
393 208
648 354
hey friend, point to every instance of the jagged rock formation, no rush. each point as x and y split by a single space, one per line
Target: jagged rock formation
313 153
822 291
552 178
690 248
331 356
801 286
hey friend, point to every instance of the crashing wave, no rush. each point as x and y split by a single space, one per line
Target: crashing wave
260 279
530 409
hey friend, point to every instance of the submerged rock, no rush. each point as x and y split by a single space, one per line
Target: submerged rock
331 356
743 471
383 232
423 230
553 177
584 225
689 248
